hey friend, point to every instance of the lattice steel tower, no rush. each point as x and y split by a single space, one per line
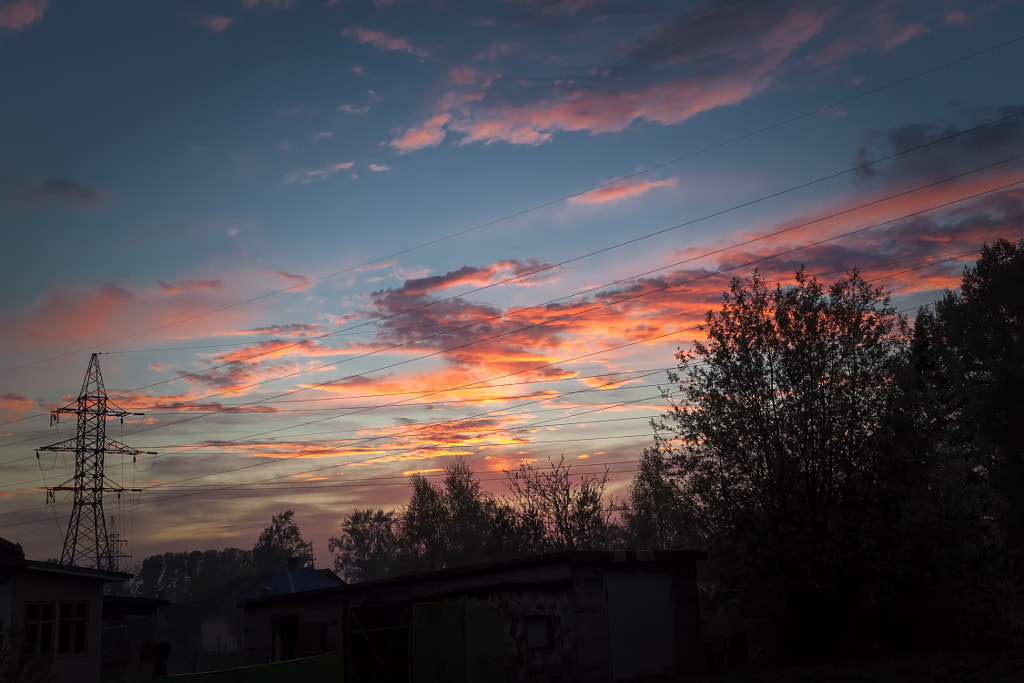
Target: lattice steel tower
87 542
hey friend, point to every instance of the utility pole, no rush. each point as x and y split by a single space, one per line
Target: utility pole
87 542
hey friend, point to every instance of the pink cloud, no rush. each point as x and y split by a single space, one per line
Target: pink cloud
19 14
384 41
216 23
429 133
103 313
497 50
379 168
287 276
65 312
599 111
470 76
621 190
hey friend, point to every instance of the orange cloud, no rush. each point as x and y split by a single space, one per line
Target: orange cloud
622 189
15 403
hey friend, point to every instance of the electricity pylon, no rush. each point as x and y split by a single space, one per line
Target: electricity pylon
87 542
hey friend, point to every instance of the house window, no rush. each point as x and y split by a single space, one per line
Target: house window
60 626
39 622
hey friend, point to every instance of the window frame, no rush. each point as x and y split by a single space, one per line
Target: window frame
57 626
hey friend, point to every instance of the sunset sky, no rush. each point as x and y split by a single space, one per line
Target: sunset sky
326 243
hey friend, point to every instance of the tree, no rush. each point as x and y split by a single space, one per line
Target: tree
653 515
964 420
775 441
976 336
560 511
367 548
195 575
424 536
280 542
20 662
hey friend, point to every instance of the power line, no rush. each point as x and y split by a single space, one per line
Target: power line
617 301
574 259
719 145
578 313
262 482
737 267
606 249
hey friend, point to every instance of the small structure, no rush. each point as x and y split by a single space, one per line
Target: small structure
211 635
131 637
58 609
576 616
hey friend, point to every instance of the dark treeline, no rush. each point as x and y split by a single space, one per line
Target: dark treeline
457 523
202 575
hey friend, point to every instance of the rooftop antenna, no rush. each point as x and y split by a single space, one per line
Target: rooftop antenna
88 542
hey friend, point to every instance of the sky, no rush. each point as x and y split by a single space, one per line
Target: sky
324 244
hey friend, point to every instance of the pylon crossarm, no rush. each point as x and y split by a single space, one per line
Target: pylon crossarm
62 447
120 448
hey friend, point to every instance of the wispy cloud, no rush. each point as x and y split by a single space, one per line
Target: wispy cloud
19 14
190 286
273 4
34 193
349 109
294 277
384 41
216 23
323 135
306 176
379 168
623 189
301 110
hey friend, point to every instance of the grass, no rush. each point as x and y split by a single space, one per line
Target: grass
967 666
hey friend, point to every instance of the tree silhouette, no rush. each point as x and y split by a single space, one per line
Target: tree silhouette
775 441
280 542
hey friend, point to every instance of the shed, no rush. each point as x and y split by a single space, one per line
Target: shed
576 616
